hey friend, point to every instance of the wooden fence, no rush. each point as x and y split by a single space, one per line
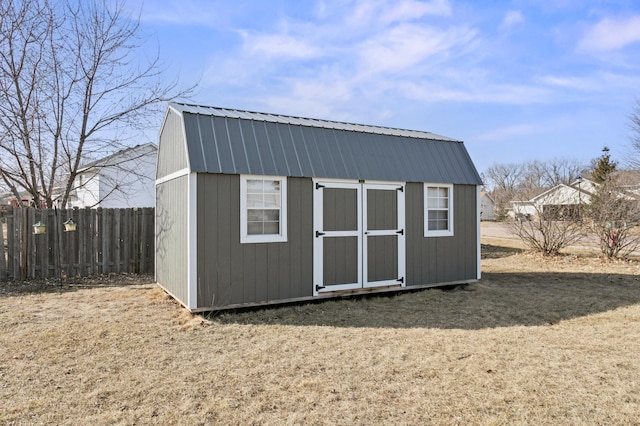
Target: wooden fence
105 241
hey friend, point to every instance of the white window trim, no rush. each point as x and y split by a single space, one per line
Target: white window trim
439 233
245 238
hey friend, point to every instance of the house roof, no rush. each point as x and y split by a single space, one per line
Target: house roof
487 195
231 141
116 157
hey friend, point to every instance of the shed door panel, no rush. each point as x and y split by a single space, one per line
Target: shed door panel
338 237
384 239
359 235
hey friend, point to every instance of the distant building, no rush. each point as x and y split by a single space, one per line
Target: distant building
565 200
487 206
123 179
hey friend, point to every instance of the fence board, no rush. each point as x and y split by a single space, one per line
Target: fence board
3 261
105 241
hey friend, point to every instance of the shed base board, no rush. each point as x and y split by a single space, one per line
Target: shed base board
325 296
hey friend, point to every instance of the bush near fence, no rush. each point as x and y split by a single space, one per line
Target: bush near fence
105 241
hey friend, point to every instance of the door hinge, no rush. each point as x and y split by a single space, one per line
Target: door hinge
318 233
401 232
318 186
319 287
401 280
400 188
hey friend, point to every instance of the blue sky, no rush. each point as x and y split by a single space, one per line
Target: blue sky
516 80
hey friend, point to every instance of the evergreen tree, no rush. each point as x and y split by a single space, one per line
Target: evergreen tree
603 167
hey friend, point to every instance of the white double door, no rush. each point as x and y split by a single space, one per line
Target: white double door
359 235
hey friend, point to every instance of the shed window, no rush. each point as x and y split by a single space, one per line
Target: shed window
438 212
263 212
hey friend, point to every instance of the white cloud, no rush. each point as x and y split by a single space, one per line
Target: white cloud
317 96
368 13
185 12
511 18
404 46
593 84
611 34
411 9
278 46
508 132
474 89
572 82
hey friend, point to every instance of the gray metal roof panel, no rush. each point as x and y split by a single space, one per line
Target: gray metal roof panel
241 142
313 122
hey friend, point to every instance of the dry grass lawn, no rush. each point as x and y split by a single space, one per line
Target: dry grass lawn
537 341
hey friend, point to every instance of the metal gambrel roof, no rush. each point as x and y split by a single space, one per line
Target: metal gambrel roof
241 142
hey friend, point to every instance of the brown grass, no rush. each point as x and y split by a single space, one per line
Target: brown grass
537 341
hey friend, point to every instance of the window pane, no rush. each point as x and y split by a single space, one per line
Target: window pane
443 203
260 221
438 225
271 186
255 186
255 215
271 215
271 200
254 228
438 220
438 215
255 200
271 227
443 192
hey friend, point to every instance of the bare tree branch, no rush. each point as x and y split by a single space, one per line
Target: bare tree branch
71 83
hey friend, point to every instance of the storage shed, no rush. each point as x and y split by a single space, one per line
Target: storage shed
256 209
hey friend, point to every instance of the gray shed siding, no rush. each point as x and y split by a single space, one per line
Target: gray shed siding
231 273
172 157
172 216
432 260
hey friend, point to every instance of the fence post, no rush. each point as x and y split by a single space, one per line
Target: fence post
3 261
95 220
13 264
116 240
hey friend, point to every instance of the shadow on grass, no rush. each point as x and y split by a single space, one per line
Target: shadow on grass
489 251
499 300
65 285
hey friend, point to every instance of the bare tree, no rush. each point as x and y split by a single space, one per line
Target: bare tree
562 171
614 211
523 181
634 118
71 87
504 181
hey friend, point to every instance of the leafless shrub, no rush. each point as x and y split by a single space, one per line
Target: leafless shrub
549 230
614 212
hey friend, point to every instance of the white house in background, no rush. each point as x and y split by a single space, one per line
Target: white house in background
487 206
559 200
122 180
